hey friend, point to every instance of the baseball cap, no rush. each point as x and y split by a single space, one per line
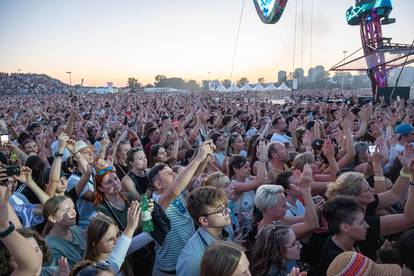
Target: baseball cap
404 129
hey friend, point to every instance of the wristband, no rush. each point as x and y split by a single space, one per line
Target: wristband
8 231
58 154
404 174
411 184
379 178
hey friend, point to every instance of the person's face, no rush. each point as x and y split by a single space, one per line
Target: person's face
155 136
161 155
292 247
31 147
243 267
66 214
282 152
40 139
62 185
281 124
110 184
278 211
238 144
358 229
165 178
220 143
140 160
88 155
123 151
244 171
108 241
218 217
367 194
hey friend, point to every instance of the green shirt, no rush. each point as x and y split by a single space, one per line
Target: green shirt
73 250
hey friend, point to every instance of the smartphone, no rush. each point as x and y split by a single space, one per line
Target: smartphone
12 170
4 140
105 134
372 149
317 199
203 137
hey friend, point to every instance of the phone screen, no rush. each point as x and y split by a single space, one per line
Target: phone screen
4 139
372 149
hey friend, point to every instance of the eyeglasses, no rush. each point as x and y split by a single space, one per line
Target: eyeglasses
223 210
112 240
295 243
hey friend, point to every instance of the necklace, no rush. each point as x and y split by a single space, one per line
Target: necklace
119 206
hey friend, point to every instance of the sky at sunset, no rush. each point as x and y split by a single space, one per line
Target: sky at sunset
108 40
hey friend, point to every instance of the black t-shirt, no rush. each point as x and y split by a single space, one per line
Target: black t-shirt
329 252
121 171
141 182
373 239
368 247
372 207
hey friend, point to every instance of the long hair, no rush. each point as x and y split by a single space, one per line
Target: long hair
100 196
96 230
269 249
236 162
220 259
50 207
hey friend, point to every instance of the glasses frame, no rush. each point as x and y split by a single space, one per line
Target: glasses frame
224 211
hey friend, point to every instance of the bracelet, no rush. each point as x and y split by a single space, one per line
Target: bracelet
411 184
8 231
379 178
404 174
58 154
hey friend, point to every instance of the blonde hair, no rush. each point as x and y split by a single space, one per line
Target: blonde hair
266 196
217 179
347 184
302 159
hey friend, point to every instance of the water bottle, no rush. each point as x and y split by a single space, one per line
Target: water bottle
146 218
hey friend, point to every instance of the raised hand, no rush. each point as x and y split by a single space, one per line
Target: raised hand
306 178
376 156
328 149
25 175
133 217
262 151
5 193
205 149
345 124
407 156
63 269
71 145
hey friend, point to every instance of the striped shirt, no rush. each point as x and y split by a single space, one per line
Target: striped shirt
182 228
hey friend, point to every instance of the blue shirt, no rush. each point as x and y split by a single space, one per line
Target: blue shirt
189 261
25 210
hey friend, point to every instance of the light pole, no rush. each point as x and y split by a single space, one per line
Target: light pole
70 77
342 83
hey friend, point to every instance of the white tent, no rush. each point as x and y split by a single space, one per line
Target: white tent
258 87
246 87
283 86
221 88
233 88
271 87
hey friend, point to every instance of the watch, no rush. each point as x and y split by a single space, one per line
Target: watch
8 231
58 154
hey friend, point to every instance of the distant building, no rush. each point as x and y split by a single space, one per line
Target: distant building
299 73
281 76
316 73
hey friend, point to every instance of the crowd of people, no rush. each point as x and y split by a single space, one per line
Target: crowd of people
237 185
19 83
